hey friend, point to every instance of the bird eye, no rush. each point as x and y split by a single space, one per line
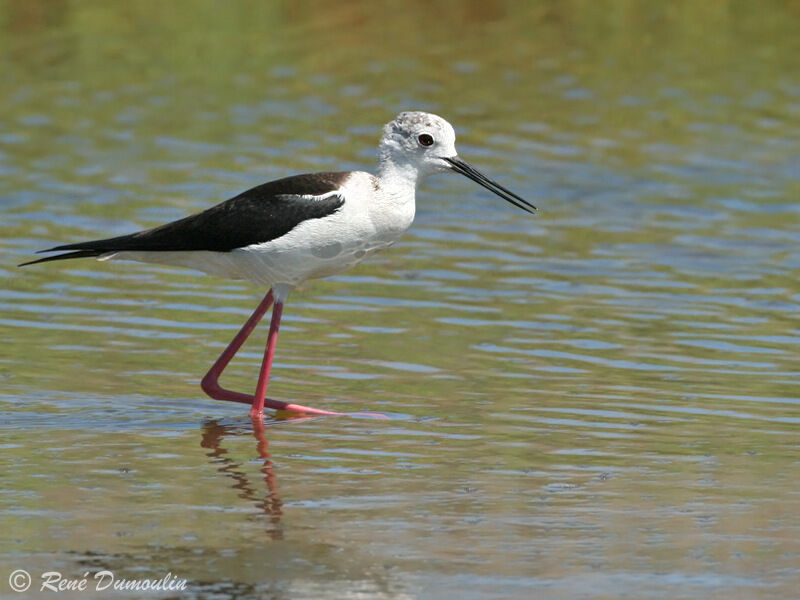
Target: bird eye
425 139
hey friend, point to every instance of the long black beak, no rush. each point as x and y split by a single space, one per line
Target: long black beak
459 166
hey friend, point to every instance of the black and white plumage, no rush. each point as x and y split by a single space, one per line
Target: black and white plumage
259 215
255 217
287 231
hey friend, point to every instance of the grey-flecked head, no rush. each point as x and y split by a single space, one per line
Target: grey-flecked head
416 144
419 140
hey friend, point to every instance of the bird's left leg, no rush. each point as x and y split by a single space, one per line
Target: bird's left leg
210 383
259 399
266 364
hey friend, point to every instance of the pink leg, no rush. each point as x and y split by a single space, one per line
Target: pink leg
266 363
210 383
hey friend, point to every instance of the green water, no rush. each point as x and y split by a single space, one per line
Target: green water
598 402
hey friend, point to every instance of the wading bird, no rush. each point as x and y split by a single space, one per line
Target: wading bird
282 233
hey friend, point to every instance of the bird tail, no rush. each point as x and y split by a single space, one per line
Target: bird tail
76 254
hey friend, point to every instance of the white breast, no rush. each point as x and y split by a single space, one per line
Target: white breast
372 218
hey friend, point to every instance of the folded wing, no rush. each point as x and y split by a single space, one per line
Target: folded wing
261 214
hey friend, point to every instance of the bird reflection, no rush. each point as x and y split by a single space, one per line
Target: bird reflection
214 432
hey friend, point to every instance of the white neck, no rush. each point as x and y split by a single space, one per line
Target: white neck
397 174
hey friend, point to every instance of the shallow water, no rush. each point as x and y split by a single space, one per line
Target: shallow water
601 401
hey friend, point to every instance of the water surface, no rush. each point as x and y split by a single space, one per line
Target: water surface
602 401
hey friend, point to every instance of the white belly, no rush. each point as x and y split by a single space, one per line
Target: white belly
295 258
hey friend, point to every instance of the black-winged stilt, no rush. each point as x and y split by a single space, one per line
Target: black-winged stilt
284 232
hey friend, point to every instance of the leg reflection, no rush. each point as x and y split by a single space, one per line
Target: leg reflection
269 503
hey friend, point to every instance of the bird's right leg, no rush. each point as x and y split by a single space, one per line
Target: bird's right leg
210 382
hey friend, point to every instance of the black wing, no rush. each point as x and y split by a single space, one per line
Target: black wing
261 214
